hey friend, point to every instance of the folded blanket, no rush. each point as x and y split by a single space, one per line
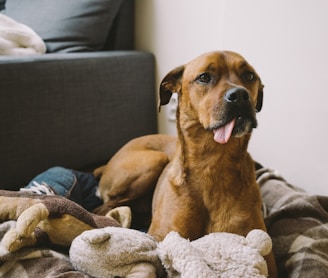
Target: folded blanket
34 262
298 225
17 39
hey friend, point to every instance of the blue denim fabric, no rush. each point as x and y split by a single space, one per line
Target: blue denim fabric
77 186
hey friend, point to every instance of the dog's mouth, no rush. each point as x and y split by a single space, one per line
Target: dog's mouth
237 127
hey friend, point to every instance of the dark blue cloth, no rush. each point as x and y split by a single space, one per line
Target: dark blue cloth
2 4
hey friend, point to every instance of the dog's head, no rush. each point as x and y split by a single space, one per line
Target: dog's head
220 90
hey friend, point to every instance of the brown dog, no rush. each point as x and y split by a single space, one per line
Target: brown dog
209 183
211 177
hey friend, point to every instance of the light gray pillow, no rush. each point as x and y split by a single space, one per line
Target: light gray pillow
67 25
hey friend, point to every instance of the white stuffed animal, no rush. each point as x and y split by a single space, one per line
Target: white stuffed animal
17 39
121 252
216 255
116 252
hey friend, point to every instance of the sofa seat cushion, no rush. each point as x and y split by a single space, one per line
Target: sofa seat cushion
67 26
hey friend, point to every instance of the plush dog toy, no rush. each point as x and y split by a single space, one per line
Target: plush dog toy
216 255
111 252
116 252
50 220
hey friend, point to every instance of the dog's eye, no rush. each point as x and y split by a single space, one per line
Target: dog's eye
204 78
249 76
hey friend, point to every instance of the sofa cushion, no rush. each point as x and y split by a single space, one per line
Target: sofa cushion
67 26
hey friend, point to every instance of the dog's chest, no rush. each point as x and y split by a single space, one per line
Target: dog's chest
222 191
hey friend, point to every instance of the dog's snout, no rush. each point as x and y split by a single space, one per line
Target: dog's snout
236 95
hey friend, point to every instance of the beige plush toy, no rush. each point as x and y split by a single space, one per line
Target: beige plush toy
50 220
116 252
119 252
216 255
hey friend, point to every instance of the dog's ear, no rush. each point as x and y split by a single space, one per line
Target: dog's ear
169 85
259 101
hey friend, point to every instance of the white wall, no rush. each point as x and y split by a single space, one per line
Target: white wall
286 42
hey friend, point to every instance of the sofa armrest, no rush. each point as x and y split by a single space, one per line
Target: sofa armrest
71 110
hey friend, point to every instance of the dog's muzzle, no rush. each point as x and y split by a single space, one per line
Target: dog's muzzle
239 114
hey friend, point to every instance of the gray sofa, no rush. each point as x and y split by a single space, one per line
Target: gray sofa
73 107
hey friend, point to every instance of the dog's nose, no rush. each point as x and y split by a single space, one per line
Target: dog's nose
236 95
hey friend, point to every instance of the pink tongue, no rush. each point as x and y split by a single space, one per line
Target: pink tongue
223 134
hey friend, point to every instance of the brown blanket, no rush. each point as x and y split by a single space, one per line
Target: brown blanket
298 225
34 262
